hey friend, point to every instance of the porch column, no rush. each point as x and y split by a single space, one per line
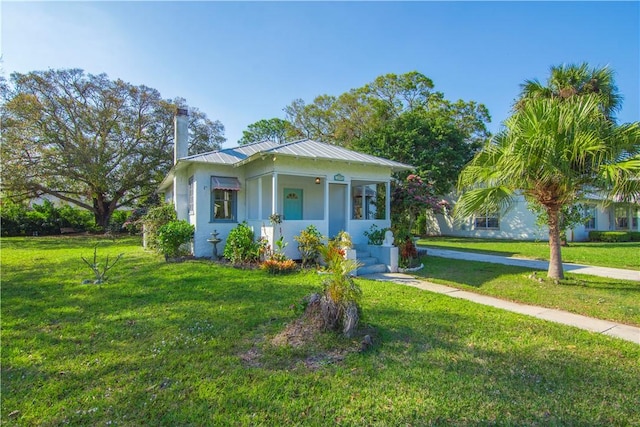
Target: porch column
274 193
326 203
388 201
260 198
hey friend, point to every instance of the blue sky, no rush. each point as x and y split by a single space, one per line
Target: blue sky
240 62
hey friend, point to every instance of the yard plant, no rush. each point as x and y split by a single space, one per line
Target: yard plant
190 344
559 145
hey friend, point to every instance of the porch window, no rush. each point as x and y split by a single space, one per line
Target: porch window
368 201
486 221
224 199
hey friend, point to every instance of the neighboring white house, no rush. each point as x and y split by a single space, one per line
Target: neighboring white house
306 182
519 223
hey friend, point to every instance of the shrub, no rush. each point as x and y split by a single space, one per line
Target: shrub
309 243
117 221
408 252
611 236
635 236
155 218
275 266
375 235
240 247
173 236
78 219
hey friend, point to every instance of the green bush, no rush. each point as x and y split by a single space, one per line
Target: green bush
172 238
155 218
19 219
635 236
375 235
612 236
309 242
78 219
240 247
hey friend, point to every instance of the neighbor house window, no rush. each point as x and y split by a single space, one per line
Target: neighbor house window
634 217
192 196
486 220
590 217
622 217
224 198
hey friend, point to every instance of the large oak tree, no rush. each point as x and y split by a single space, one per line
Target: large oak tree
98 143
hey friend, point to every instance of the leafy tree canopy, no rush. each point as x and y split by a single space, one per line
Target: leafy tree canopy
275 129
97 143
400 117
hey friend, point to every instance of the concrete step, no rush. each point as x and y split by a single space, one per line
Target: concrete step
367 260
362 253
372 269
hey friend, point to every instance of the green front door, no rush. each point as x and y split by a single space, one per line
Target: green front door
292 204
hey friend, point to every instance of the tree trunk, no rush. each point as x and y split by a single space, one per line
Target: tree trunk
555 255
102 211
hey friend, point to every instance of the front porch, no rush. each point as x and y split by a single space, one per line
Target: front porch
329 203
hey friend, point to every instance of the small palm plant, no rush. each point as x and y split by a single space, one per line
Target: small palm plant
339 304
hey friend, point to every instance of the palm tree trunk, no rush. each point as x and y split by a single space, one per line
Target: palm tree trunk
555 255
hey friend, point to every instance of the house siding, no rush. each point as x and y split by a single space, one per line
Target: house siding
518 223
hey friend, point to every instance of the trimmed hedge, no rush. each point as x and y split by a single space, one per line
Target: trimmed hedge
614 236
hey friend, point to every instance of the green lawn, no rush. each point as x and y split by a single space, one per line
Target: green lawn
600 297
190 344
618 255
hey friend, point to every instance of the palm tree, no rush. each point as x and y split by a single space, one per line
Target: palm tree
567 81
552 150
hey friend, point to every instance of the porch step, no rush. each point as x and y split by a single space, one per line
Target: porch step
370 265
367 260
372 269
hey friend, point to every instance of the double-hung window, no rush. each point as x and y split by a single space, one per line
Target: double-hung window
590 217
224 199
487 220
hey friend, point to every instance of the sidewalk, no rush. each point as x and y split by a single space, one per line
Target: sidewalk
613 273
625 332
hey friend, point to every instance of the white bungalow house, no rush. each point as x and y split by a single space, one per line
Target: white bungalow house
306 182
519 223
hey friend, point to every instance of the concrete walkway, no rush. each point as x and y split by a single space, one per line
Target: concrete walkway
625 332
613 273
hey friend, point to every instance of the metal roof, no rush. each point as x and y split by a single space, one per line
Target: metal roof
305 148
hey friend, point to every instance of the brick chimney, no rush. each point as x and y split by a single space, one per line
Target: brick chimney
181 134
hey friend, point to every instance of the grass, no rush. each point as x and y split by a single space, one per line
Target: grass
617 255
600 297
168 344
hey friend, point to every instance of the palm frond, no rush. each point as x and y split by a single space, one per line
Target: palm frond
492 199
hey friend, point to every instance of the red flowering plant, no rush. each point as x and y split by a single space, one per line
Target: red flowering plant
409 199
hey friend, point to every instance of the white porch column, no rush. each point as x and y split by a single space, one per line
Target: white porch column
388 201
326 203
274 193
259 198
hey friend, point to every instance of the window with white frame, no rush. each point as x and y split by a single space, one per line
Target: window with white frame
488 220
224 199
622 217
590 217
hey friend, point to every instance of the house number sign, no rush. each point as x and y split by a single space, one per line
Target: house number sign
338 177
